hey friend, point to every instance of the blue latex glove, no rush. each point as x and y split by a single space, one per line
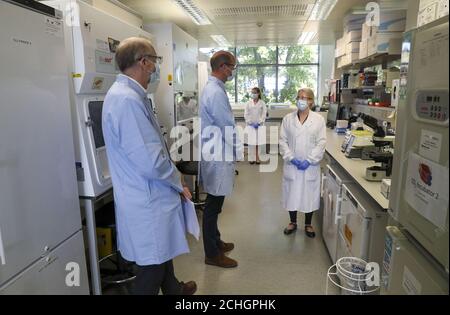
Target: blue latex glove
304 165
256 126
297 163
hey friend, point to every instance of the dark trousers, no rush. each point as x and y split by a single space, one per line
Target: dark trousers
149 279
308 217
211 234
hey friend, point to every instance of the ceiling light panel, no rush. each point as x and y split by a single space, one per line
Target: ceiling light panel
297 10
194 12
322 9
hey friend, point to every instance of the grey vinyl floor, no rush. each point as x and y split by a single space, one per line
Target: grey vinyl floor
269 261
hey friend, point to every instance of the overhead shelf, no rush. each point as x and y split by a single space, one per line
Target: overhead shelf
372 60
374 87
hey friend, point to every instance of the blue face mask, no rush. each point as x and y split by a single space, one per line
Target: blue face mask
302 105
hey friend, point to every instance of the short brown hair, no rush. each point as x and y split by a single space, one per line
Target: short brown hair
219 58
131 50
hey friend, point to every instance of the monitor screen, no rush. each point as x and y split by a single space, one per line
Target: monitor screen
333 113
95 113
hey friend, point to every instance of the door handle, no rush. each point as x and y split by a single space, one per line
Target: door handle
2 250
337 216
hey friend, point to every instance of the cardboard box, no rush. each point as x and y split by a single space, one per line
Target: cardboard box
340 48
354 22
366 32
353 36
391 21
352 48
390 43
363 49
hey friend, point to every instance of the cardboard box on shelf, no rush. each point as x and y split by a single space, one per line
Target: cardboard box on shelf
353 36
391 21
340 48
352 48
363 49
366 32
354 22
390 43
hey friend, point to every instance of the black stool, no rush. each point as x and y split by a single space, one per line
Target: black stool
191 168
114 270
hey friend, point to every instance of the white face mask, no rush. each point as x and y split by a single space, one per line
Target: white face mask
254 96
154 78
302 105
232 76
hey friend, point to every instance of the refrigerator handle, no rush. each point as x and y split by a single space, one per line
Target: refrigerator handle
337 216
322 186
2 250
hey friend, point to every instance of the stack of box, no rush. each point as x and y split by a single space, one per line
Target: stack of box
348 45
384 37
431 10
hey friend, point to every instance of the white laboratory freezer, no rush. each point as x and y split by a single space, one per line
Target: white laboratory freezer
408 269
333 179
362 227
48 275
39 208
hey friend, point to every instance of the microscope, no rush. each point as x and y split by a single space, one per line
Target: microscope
383 153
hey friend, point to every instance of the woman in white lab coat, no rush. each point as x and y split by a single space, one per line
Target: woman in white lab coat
302 145
255 116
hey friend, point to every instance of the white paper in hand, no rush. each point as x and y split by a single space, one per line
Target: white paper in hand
190 219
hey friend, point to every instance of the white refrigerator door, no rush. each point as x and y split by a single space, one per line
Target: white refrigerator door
355 226
39 205
332 206
62 271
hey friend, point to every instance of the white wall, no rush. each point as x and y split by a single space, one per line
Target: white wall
326 65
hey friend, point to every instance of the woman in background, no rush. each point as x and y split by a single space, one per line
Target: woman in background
255 116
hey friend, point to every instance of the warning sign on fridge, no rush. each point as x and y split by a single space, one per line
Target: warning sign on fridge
427 189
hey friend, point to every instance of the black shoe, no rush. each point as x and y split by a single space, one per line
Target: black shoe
188 288
310 234
288 231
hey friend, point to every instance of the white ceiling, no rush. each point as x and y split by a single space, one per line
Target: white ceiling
282 20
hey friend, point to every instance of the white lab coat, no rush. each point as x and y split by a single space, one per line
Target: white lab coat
147 185
255 114
301 189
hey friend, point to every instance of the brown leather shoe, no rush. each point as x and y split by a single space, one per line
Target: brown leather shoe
221 261
188 288
226 247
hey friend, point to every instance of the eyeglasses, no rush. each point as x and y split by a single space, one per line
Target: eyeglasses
305 98
232 66
159 59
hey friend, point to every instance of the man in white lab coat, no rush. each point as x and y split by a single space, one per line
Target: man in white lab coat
302 146
217 176
147 185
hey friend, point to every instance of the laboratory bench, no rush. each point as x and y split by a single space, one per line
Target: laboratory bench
356 168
